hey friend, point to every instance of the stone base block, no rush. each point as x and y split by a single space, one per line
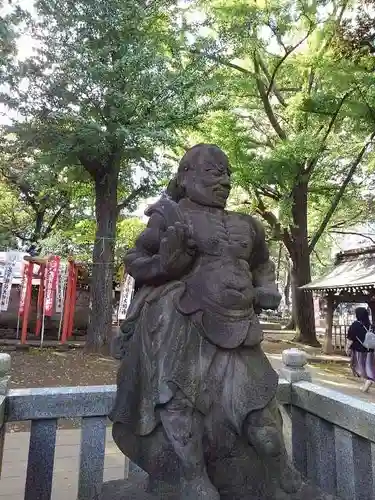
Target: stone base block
135 489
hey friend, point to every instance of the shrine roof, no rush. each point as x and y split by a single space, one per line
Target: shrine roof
354 269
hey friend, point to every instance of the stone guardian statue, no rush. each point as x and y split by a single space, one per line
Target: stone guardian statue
195 404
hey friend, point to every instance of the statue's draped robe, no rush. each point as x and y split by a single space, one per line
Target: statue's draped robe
199 334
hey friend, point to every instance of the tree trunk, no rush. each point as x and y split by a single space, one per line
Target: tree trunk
287 288
100 321
301 273
279 255
290 304
328 345
293 310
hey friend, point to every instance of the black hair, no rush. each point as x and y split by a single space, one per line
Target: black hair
361 313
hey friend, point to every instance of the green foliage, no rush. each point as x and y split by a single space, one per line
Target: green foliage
47 197
77 241
297 114
108 83
10 218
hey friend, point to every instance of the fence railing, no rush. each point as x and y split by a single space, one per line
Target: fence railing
331 436
333 440
44 407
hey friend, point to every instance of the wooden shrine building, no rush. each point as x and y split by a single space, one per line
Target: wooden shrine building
352 280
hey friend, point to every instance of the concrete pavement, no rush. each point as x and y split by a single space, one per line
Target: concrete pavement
65 480
335 381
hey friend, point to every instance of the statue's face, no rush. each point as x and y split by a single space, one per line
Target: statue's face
208 181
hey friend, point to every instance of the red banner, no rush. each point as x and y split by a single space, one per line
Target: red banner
23 289
50 286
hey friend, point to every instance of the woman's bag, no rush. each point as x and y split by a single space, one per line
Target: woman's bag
369 341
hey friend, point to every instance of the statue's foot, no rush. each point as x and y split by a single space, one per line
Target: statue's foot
290 479
281 495
199 488
305 492
284 480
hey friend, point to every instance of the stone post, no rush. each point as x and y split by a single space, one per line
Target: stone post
294 366
293 370
5 363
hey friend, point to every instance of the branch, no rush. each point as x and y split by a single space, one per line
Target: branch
360 216
271 84
274 30
312 163
271 219
366 236
340 194
23 187
224 62
142 189
260 129
268 216
290 89
289 51
318 258
173 158
269 192
267 144
53 221
266 103
19 235
311 80
93 167
337 24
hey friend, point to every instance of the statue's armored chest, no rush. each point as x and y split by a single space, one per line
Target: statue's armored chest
221 233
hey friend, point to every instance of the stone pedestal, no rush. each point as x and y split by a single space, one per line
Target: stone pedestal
294 369
134 490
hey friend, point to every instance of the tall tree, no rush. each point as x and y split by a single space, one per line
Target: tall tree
300 126
107 87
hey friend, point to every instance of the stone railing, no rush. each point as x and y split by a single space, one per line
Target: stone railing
4 386
330 436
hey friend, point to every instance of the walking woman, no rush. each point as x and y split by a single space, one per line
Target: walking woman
362 359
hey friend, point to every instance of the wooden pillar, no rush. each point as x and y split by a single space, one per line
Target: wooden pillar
40 305
67 304
29 284
371 305
328 346
73 298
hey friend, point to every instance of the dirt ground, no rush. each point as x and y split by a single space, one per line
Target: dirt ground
49 367
52 368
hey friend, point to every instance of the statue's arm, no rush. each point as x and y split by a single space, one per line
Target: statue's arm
143 261
267 295
161 254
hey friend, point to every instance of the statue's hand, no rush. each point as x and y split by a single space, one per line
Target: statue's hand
266 298
177 249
